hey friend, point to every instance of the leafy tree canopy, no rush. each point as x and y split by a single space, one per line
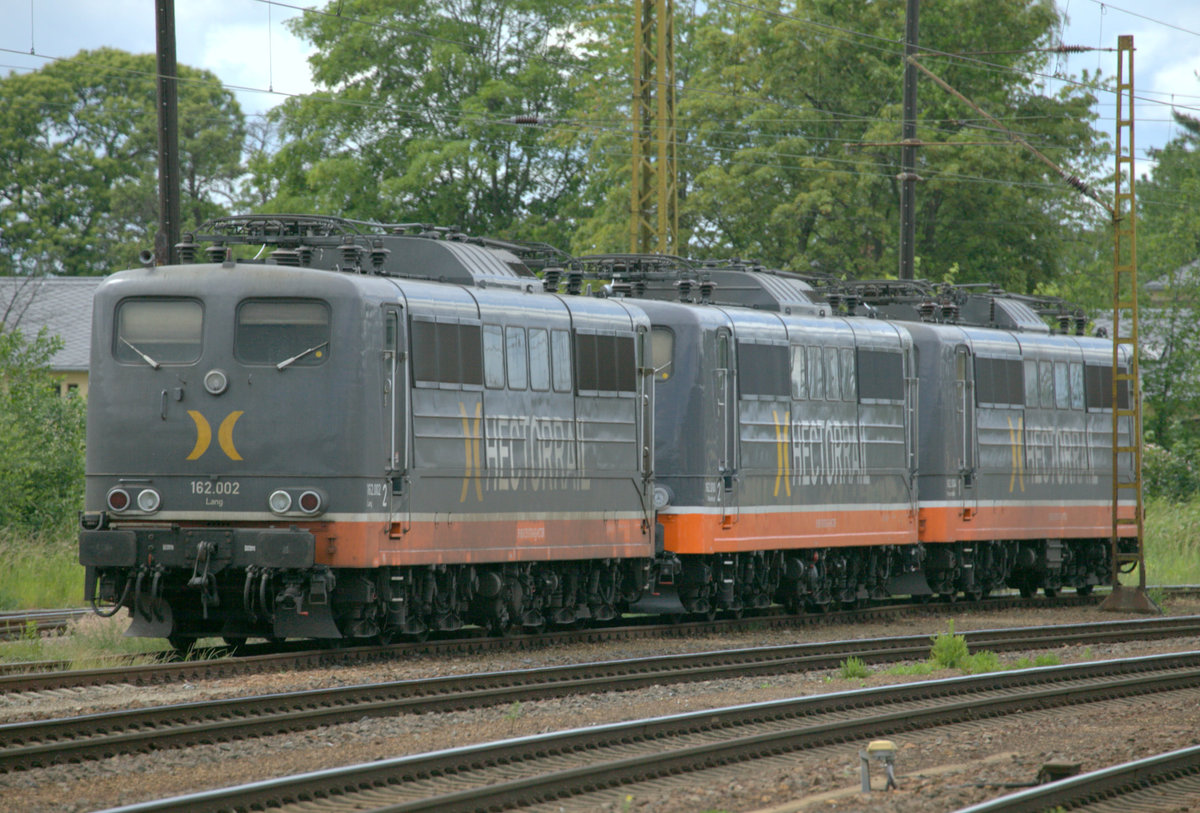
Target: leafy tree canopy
79 188
788 119
1169 268
415 120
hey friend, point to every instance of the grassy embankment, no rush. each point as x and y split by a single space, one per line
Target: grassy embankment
43 572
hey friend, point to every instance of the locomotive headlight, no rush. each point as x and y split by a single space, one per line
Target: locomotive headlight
118 499
280 502
215 382
310 502
662 497
148 500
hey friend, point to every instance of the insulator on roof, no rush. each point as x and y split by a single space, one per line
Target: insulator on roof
187 248
286 256
351 252
379 255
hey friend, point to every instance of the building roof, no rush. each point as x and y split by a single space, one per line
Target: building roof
63 305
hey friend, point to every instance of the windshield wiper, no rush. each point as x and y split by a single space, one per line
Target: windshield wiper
145 358
300 355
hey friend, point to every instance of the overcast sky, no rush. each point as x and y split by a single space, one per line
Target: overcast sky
245 43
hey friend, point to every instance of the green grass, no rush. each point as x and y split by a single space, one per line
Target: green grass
1172 542
86 644
853 668
40 571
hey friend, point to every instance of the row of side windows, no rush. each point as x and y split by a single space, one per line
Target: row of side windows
519 358
1045 384
815 373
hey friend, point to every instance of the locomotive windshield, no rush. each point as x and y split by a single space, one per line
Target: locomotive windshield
158 331
282 332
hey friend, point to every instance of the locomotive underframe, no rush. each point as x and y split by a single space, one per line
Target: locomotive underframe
185 584
242 583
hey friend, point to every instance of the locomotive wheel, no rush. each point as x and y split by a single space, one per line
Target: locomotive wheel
234 642
1027 591
1084 590
1051 592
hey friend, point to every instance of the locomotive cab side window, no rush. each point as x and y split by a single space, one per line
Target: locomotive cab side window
1001 382
880 376
158 331
662 352
446 354
1077 392
816 374
849 375
605 362
493 356
799 379
560 358
539 359
1046 383
1099 382
1062 389
833 377
282 332
514 352
1031 384
764 370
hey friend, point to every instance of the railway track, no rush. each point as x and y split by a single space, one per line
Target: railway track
25 623
1164 782
256 659
540 769
31 744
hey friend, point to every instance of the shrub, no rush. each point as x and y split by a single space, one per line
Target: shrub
981 662
854 668
949 651
41 437
1169 474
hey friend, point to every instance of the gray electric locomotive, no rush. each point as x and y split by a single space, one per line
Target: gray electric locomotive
320 445
922 442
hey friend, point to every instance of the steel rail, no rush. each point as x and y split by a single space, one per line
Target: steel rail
30 744
435 781
1117 785
273 661
20 624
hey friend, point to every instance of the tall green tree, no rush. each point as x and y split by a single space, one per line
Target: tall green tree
415 117
41 436
788 118
1169 260
78 188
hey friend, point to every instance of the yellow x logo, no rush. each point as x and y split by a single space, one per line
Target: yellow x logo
224 435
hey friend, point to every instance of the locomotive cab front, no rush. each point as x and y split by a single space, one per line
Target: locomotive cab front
222 424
